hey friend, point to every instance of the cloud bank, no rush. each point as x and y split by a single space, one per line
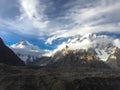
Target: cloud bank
54 19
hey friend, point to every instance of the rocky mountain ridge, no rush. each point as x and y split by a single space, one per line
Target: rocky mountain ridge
92 46
7 56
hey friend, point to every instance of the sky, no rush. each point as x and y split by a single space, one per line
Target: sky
47 23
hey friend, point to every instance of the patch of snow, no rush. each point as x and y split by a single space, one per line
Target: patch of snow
102 54
116 42
26 51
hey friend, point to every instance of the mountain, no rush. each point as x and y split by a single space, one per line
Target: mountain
7 56
114 58
26 51
83 59
25 45
101 45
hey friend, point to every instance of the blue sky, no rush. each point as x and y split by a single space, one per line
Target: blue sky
47 23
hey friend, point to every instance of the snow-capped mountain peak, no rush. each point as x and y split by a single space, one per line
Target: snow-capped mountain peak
25 45
102 44
27 51
86 41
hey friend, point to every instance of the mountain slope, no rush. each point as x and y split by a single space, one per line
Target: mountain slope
78 49
114 58
26 51
83 59
102 44
7 56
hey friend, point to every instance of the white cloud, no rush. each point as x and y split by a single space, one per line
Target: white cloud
34 11
91 14
102 16
113 28
76 17
31 21
20 27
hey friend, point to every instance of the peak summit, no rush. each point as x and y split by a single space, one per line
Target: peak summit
25 45
24 42
27 51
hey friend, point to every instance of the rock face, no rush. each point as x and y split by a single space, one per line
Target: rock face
75 59
7 56
81 58
114 58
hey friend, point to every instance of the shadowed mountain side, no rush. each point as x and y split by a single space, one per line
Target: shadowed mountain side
7 56
43 61
114 59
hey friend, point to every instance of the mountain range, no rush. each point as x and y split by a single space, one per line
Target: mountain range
104 48
66 69
102 44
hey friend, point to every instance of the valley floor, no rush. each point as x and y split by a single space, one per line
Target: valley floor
38 78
